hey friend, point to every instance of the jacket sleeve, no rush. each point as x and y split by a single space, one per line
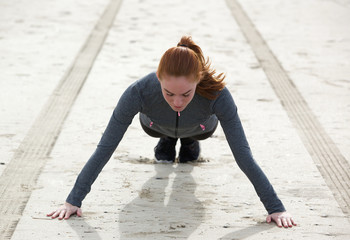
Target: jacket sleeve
226 111
128 106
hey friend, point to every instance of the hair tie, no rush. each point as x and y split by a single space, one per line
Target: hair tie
183 45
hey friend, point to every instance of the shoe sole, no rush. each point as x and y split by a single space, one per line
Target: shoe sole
163 161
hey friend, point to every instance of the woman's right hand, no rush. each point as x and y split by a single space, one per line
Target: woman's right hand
65 211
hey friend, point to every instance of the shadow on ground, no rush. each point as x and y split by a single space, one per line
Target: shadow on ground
83 229
162 210
166 207
247 232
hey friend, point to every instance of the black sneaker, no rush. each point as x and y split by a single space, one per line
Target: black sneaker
189 150
165 150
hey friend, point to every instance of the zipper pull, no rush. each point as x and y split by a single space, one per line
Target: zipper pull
178 114
150 125
202 126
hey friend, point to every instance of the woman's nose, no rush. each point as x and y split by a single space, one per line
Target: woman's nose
178 102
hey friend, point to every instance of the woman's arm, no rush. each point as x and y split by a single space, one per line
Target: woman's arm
128 106
226 110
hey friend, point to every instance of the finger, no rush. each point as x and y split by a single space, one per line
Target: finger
57 212
63 211
79 212
268 219
50 214
284 222
68 214
291 219
278 222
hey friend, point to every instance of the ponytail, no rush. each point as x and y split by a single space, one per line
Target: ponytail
187 60
209 85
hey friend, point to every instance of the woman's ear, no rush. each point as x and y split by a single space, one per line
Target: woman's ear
157 76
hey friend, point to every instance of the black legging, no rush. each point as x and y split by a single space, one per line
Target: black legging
156 134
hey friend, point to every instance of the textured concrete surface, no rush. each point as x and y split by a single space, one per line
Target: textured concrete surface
136 199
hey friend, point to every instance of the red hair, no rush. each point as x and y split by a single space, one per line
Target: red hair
187 60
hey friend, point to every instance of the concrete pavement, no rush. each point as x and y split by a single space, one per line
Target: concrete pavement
134 199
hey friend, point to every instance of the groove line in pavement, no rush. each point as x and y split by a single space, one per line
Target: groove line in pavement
19 177
331 163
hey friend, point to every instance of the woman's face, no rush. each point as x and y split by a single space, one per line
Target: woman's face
178 91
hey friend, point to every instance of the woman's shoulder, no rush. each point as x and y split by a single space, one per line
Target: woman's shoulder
148 84
224 101
148 80
223 95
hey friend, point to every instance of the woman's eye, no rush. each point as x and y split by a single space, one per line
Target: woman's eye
169 94
186 95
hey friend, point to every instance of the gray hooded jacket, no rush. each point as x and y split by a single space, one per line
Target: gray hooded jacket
201 115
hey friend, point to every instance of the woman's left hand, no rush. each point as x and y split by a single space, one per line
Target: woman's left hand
281 219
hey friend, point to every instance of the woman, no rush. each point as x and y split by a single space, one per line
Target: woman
183 99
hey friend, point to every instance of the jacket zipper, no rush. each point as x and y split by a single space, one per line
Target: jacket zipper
177 123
